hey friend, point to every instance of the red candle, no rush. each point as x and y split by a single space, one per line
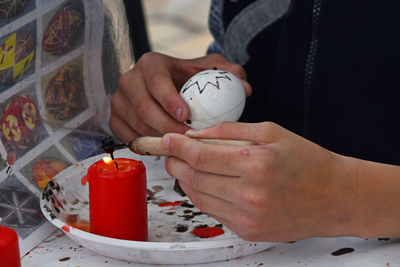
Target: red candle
9 248
118 199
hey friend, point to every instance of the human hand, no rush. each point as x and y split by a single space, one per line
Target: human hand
283 189
148 102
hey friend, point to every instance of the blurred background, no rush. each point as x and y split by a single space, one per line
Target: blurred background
178 27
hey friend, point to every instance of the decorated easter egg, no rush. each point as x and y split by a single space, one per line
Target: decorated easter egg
63 30
86 146
12 8
21 209
61 93
213 96
45 169
16 55
19 122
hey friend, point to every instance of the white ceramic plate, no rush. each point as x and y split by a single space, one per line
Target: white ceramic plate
169 241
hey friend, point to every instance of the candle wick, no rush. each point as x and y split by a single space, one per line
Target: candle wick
112 157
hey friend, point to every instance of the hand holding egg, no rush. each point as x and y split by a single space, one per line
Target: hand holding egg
213 96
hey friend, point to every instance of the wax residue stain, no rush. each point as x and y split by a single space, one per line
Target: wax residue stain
180 228
170 204
207 232
188 216
66 228
342 251
151 194
187 205
74 221
84 226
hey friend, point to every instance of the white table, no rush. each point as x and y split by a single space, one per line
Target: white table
59 251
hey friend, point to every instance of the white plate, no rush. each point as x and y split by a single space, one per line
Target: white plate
168 241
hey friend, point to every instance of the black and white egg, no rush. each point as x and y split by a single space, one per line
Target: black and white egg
213 96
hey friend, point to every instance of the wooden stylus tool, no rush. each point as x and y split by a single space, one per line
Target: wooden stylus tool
151 146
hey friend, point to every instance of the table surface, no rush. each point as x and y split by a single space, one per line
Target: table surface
59 251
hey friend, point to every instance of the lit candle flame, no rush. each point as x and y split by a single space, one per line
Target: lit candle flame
107 160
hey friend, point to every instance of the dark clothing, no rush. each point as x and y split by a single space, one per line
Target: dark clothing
328 70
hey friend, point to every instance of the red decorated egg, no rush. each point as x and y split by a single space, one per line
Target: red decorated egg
45 169
19 122
12 8
61 93
17 52
63 30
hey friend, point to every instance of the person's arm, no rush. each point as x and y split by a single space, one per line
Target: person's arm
285 188
148 102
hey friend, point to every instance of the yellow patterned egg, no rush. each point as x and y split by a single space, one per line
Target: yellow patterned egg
17 52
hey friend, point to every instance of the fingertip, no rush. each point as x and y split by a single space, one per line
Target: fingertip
177 107
182 113
247 88
192 132
165 141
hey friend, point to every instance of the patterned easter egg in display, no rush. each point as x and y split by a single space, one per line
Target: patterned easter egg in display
16 55
213 96
19 122
20 208
86 146
45 169
63 30
12 8
61 93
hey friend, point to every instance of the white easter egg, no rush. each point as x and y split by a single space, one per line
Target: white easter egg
213 96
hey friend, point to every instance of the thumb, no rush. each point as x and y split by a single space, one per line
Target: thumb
260 133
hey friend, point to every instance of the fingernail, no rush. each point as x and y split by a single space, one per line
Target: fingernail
178 113
165 142
192 132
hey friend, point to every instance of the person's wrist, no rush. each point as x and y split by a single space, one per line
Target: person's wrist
376 208
342 214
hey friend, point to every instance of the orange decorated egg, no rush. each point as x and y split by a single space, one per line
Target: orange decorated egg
45 169
63 30
17 52
19 122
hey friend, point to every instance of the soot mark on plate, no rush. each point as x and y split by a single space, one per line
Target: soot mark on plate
180 228
150 195
188 216
65 259
157 188
187 205
342 251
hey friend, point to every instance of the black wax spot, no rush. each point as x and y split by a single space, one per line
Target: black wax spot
342 251
187 205
65 259
181 228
